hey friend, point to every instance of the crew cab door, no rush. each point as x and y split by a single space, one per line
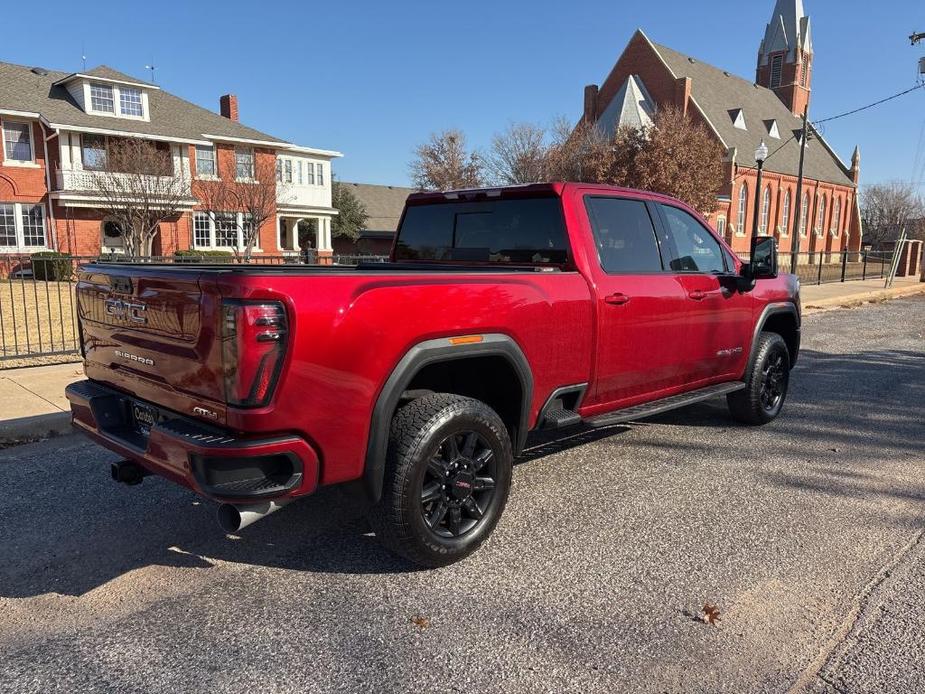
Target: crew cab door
718 321
642 326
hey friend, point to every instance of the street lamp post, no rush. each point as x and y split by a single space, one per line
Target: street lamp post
760 155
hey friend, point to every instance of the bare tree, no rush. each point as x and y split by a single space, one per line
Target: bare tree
887 208
675 156
518 155
575 154
138 189
444 163
256 197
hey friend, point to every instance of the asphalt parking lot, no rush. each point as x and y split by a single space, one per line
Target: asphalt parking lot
806 534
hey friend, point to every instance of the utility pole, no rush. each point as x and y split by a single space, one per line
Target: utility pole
798 217
915 38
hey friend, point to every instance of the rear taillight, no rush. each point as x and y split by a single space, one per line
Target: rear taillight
254 338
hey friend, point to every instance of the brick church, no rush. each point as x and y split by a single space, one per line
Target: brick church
741 114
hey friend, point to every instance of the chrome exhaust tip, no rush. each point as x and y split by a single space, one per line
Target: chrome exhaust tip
234 517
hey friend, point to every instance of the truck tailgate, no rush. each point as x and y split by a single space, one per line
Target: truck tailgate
155 335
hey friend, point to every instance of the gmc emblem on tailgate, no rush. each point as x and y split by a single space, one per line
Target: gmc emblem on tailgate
126 310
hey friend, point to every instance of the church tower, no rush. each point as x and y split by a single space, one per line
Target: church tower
785 59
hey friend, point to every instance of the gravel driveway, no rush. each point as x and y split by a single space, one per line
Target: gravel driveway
805 533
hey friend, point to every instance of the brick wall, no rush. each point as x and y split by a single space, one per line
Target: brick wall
22 183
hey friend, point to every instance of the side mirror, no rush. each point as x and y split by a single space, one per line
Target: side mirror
763 263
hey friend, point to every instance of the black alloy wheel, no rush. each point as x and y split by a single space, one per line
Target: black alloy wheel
459 484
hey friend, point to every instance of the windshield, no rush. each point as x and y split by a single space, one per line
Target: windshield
524 231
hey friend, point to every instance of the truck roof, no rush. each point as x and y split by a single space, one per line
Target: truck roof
525 190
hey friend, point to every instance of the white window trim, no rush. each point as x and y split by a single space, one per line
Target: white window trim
741 212
28 164
20 246
764 219
239 227
206 177
786 204
248 179
116 102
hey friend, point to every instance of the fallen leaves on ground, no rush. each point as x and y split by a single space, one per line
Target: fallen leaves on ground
710 614
420 621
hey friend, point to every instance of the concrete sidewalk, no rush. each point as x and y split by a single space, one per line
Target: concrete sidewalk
32 402
849 294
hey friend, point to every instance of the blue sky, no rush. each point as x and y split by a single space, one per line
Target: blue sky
373 79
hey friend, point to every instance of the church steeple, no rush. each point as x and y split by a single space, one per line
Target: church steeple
786 55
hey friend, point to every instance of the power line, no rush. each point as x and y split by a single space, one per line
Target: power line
864 108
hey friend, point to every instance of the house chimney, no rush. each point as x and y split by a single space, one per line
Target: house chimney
590 110
229 106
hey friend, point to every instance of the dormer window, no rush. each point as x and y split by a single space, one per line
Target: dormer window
101 98
773 130
738 118
130 102
119 100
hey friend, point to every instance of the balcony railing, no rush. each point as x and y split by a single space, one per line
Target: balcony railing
85 181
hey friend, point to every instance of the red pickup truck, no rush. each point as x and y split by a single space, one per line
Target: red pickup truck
417 381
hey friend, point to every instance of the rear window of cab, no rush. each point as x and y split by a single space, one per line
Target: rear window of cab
525 231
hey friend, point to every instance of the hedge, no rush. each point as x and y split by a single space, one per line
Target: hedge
52 266
198 256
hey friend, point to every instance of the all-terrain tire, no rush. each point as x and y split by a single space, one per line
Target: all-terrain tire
766 383
426 466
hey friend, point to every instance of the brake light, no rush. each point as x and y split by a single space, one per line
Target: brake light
254 338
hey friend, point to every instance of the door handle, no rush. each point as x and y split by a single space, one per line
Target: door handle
697 295
617 299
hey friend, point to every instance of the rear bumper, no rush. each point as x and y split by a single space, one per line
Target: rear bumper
209 460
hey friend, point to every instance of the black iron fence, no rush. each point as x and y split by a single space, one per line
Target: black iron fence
823 267
38 317
38 311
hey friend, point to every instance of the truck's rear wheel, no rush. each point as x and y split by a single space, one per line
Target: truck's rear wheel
447 478
766 383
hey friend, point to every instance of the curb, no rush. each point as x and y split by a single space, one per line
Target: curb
855 300
27 429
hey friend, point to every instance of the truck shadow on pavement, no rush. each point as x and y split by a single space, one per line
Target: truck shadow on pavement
69 529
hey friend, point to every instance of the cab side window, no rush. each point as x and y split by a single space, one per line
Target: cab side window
691 247
624 235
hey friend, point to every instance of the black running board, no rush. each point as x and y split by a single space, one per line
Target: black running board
664 405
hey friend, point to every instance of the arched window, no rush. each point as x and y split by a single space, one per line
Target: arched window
836 217
721 226
765 210
743 206
804 214
785 216
820 216
112 240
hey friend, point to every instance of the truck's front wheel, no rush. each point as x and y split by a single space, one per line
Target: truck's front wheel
447 478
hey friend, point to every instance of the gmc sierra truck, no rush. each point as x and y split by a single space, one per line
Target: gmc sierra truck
501 311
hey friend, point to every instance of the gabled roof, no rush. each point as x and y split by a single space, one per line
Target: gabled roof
631 106
718 93
22 89
384 204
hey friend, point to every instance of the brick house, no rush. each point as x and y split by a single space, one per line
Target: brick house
740 114
56 128
384 205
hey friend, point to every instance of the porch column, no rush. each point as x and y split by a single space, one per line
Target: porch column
325 253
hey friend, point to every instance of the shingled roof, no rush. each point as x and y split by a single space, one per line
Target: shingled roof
384 204
35 91
720 94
